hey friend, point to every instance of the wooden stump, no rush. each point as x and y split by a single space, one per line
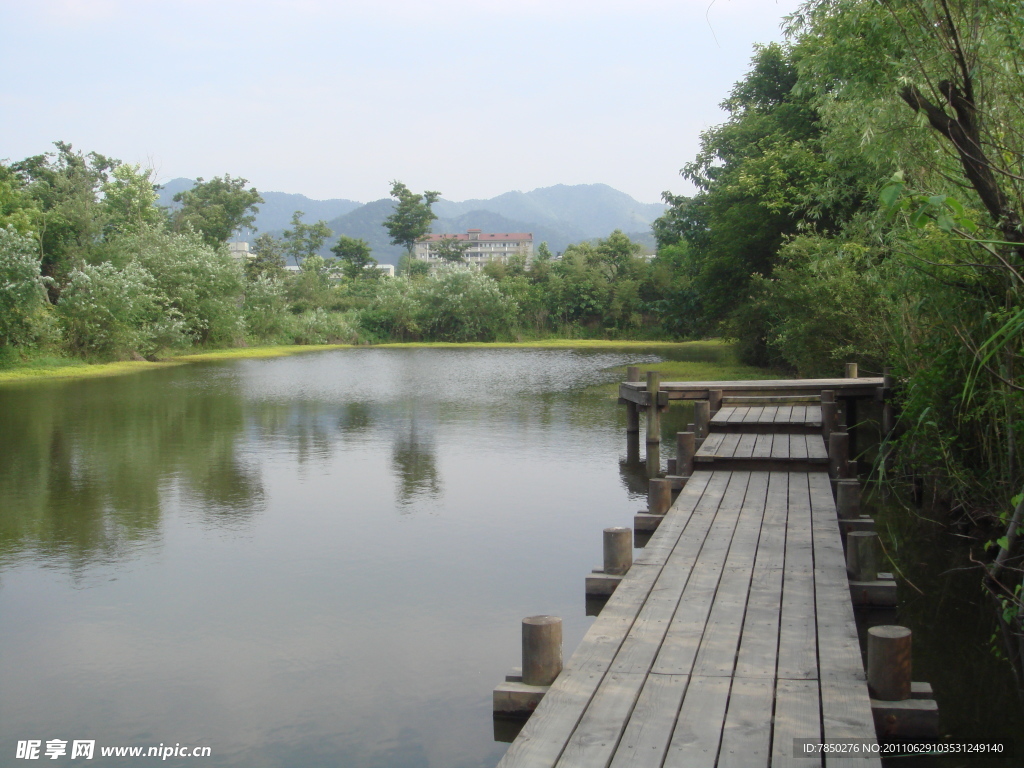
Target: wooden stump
838 454
659 496
618 550
889 666
686 447
848 498
862 555
542 649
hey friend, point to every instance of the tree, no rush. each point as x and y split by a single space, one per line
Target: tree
412 215
269 260
70 222
217 208
354 254
129 199
450 249
305 240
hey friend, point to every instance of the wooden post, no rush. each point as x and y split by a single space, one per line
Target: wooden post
838 454
653 412
618 550
670 466
851 370
686 447
542 649
848 498
653 460
889 667
862 551
702 418
632 411
659 496
715 400
828 412
888 422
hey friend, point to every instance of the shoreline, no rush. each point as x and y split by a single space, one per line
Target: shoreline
85 370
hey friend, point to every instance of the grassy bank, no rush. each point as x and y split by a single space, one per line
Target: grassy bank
724 365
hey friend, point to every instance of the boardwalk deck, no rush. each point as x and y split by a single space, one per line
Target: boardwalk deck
864 387
796 418
750 450
733 633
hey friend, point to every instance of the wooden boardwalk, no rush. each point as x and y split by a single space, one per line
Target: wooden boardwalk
732 634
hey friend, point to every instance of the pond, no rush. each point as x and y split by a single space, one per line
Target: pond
305 561
323 560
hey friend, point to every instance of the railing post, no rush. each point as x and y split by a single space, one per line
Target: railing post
653 412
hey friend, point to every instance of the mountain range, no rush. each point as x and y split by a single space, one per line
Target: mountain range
557 215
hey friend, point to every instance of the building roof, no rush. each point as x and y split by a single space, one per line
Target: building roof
478 235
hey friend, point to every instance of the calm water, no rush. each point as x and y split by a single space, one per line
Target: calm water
316 560
323 560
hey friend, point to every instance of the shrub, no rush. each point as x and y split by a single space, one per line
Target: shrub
24 316
111 311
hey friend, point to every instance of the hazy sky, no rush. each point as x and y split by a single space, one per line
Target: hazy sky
336 99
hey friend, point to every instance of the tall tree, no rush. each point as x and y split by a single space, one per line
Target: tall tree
305 240
217 208
65 186
412 215
354 254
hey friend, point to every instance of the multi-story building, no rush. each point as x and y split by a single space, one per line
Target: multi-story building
481 246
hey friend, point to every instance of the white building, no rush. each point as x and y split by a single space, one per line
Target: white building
240 250
481 247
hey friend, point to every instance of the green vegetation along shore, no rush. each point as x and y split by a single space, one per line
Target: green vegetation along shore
725 364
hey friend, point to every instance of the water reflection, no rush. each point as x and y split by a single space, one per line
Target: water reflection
270 556
414 464
83 478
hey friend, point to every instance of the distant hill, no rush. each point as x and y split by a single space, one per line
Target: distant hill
276 212
558 215
594 210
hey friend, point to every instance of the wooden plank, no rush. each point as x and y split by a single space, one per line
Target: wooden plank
845 706
846 715
664 540
684 577
746 742
753 414
816 448
646 737
768 399
797 716
763 446
728 445
782 415
867 385
717 653
745 445
814 415
698 732
552 724
711 444
780 447
594 740
760 637
797 447
798 652
738 415
683 638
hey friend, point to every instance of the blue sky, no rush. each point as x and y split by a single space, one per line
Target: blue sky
336 99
